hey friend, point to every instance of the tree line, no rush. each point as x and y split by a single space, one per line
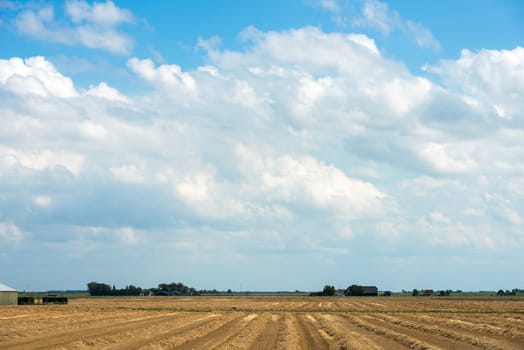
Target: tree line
103 289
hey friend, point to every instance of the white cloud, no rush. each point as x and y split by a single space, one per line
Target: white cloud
104 14
197 188
511 215
449 158
36 76
329 5
128 235
425 186
305 181
168 75
215 199
105 91
92 26
273 50
9 232
42 159
377 14
491 78
127 174
340 148
93 130
422 36
43 201
438 217
388 230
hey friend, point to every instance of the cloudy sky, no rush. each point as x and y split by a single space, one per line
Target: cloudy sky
262 145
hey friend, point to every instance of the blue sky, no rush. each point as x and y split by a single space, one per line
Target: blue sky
273 145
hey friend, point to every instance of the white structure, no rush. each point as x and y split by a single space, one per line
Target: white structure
8 295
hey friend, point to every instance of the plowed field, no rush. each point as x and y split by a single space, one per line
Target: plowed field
266 323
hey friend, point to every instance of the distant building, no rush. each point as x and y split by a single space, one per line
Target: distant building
356 290
370 291
8 295
426 293
171 293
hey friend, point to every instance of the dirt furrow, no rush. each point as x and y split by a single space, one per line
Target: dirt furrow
309 335
148 336
58 338
268 338
219 336
260 333
289 336
473 324
348 336
399 337
477 338
45 324
198 331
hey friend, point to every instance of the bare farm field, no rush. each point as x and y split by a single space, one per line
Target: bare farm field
266 322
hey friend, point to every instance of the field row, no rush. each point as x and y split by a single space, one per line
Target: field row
289 324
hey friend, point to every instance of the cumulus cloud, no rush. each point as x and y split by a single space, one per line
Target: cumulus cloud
127 173
41 159
490 78
307 181
105 91
264 148
34 75
357 51
169 75
93 26
447 158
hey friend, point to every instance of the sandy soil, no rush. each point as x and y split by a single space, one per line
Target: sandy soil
266 323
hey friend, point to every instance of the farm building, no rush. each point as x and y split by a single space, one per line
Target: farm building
356 290
171 293
370 290
8 295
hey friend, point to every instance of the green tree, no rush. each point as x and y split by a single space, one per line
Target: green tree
97 289
328 291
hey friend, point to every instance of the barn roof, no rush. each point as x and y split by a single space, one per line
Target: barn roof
4 288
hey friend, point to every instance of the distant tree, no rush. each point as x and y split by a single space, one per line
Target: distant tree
415 292
132 290
328 291
229 291
98 289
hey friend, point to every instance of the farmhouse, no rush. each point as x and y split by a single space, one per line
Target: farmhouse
8 295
